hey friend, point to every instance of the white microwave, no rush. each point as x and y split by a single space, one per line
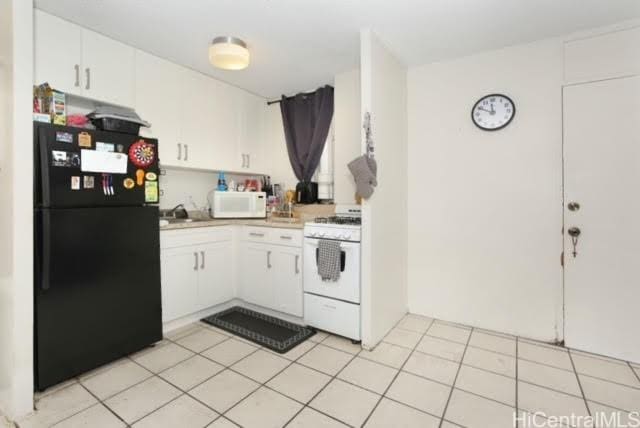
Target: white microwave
239 205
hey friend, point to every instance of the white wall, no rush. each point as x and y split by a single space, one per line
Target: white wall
16 209
347 134
384 229
485 208
280 167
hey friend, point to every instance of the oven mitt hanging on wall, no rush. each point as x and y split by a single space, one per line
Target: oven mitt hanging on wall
364 170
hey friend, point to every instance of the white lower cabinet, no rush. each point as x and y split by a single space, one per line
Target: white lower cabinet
255 282
271 268
179 282
197 271
287 277
215 275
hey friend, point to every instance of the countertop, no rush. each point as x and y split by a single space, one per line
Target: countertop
226 222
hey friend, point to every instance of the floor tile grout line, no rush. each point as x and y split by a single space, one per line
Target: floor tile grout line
264 385
580 384
104 404
455 379
334 377
384 394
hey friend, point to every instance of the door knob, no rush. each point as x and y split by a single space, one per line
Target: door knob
573 206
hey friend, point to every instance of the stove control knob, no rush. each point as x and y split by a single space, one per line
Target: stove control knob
322 234
348 236
342 236
313 234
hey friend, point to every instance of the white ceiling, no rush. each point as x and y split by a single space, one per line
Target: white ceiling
298 45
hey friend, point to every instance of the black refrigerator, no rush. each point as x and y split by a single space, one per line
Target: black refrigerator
97 250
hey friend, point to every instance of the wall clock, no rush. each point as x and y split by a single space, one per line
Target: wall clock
493 112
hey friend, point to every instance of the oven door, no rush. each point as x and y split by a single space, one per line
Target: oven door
347 287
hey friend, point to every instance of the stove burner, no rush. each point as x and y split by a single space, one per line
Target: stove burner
339 220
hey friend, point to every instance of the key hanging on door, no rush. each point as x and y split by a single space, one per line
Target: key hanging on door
574 232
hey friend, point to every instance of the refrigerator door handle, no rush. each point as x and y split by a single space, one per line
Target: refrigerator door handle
46 250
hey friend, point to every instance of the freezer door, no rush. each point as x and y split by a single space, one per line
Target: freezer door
97 288
66 175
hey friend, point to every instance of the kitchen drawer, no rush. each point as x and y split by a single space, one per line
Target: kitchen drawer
273 235
283 236
195 236
334 316
255 234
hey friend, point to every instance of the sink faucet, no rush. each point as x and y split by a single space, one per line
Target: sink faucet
178 211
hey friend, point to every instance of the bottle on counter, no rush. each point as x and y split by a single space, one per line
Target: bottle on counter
222 182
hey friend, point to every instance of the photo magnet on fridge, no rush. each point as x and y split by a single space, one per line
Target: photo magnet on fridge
105 147
65 159
84 140
75 183
151 191
64 137
89 182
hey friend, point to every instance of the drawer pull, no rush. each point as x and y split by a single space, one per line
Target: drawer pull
269 259
289 237
330 307
259 235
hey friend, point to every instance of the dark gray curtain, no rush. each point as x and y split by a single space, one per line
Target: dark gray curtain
306 119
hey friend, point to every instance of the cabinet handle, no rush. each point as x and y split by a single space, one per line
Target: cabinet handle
289 237
248 160
179 151
186 152
77 68
88 73
259 235
202 263
195 255
297 260
269 259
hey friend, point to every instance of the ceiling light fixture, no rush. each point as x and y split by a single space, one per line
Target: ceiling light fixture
229 53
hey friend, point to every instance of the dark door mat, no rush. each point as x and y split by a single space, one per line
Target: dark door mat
271 332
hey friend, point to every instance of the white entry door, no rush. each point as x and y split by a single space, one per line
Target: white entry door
602 202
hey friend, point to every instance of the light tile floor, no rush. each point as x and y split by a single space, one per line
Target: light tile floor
426 373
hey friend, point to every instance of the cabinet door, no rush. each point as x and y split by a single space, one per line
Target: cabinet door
215 275
196 121
256 285
287 269
58 53
251 133
224 103
179 270
158 91
108 69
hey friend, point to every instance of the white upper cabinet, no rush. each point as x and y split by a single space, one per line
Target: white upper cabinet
197 127
58 53
158 90
224 103
108 68
81 62
200 122
252 133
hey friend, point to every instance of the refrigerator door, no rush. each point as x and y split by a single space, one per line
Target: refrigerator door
84 168
97 288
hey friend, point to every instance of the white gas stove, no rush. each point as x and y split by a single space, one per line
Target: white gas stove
334 306
343 226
